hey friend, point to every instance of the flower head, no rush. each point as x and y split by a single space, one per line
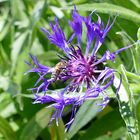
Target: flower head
83 72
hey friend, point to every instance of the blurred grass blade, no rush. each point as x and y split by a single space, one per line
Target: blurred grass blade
136 3
4 58
138 112
86 112
19 13
3 1
21 66
57 132
107 8
16 48
133 76
4 82
138 53
38 10
135 88
6 129
7 106
127 106
126 41
5 31
138 34
36 125
57 11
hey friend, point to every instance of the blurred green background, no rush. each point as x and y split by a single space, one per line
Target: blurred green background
20 22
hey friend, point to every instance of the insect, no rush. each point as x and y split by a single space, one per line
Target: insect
58 69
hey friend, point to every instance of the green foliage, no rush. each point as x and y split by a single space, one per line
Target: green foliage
20 22
110 9
89 110
104 131
6 129
36 125
127 107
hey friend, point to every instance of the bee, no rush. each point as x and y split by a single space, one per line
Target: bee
58 69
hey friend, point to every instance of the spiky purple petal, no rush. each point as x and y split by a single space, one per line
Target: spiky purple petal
76 25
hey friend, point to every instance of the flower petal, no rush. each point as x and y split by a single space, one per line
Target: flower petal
76 25
57 36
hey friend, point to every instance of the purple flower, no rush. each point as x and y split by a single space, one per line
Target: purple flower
82 72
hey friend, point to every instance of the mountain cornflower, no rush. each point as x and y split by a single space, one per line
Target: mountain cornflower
85 74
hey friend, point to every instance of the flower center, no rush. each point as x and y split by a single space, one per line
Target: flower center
80 68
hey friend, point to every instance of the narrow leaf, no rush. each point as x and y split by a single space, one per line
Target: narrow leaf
58 132
137 52
36 125
86 112
127 106
107 8
6 129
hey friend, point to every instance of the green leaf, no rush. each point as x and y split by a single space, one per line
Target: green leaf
20 41
138 113
5 31
127 106
137 52
21 67
57 11
7 107
4 59
86 112
36 125
4 82
19 12
6 129
109 127
58 132
133 76
138 34
107 8
51 56
31 96
127 40
136 3
38 10
135 88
